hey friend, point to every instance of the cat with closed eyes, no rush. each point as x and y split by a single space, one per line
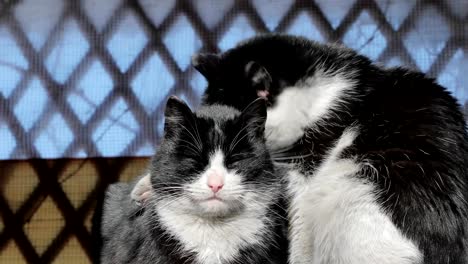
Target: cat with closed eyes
377 158
216 196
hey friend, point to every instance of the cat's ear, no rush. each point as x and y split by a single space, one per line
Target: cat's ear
177 114
206 64
258 76
254 117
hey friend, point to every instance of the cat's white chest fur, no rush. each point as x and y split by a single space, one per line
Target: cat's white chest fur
334 216
214 243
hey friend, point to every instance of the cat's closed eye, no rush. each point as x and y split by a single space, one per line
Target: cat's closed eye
191 159
235 159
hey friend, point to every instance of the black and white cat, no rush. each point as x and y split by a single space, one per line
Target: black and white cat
216 198
377 158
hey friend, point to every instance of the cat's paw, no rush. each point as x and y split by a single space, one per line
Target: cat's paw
142 191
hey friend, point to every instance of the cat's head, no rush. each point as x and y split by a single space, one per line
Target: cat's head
213 163
234 79
263 66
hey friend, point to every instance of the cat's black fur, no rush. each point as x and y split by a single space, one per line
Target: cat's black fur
411 131
134 235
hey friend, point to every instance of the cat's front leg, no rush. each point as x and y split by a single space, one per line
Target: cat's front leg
336 218
301 233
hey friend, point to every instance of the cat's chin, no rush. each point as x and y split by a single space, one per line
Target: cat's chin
215 207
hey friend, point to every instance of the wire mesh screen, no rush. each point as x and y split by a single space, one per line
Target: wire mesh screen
89 78
85 79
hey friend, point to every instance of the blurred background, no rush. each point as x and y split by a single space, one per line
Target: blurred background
83 85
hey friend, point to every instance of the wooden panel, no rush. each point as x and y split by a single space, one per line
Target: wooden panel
47 206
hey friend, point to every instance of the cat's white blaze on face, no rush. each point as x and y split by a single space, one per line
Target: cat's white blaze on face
218 189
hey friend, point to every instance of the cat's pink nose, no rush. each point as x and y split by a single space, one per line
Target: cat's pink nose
215 181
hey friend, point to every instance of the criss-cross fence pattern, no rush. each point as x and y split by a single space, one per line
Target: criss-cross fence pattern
85 79
89 78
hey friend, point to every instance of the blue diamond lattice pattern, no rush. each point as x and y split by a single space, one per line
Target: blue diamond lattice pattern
77 59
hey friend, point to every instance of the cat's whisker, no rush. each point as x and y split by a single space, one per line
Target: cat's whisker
282 150
240 154
196 131
292 157
276 214
233 142
197 141
238 141
170 187
191 146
